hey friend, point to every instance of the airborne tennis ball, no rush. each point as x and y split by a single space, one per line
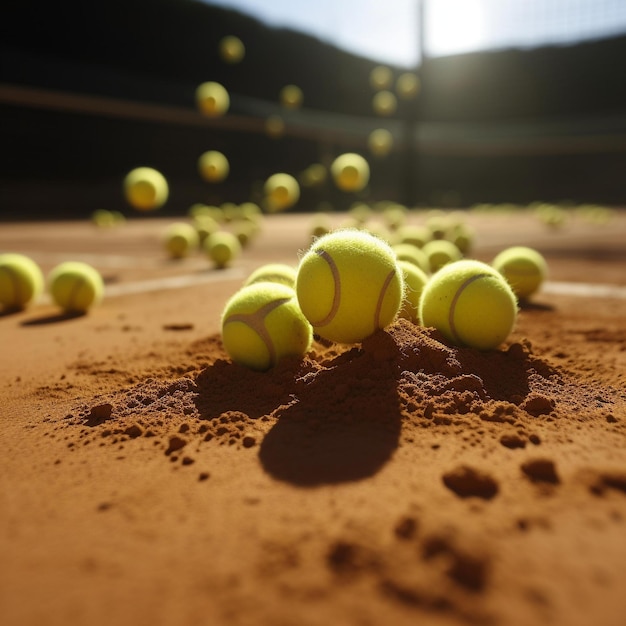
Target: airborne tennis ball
232 49
180 239
213 166
384 103
524 268
380 142
262 323
222 248
281 191
291 96
470 304
273 273
407 85
349 285
350 171
414 281
75 286
145 188
381 77
21 281
212 99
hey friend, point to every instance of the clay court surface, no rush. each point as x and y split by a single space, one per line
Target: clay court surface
145 479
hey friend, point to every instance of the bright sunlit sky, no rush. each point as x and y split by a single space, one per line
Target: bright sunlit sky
387 30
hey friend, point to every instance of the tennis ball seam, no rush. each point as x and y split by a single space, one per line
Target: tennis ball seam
381 297
337 289
15 283
256 321
454 302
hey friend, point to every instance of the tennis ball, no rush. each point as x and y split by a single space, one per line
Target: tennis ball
273 273
262 323
384 103
412 254
380 142
213 166
205 226
414 282
291 97
75 286
381 77
180 239
275 126
281 192
440 252
103 218
407 85
222 248
462 237
212 99
314 175
350 171
232 49
417 236
525 269
349 285
145 188
470 303
21 281
321 224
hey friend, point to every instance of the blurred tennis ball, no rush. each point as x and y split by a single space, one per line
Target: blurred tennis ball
273 273
350 171
440 252
213 166
232 49
275 126
384 103
281 192
381 77
145 188
417 236
414 282
412 254
205 225
212 99
21 281
407 85
180 239
291 97
380 142
75 286
314 175
222 248
525 269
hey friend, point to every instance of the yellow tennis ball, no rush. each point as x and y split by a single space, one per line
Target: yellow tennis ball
205 226
213 166
350 171
407 85
440 252
180 239
146 188
412 254
212 99
380 142
417 236
232 49
262 323
222 248
384 103
21 281
273 273
281 192
381 77
291 97
414 282
470 303
525 269
75 286
349 285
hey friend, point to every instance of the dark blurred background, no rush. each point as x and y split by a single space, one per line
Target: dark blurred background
90 90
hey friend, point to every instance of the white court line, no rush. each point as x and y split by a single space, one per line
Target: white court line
585 290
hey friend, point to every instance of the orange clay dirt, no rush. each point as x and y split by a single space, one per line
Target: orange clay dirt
145 479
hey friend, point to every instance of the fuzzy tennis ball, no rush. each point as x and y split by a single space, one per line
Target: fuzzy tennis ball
180 239
213 166
349 285
281 192
380 142
291 97
525 269
146 188
412 254
414 282
440 252
350 171
222 248
212 99
232 49
75 286
470 303
384 103
418 236
273 273
21 281
262 323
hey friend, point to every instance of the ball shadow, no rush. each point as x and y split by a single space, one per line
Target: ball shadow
54 318
344 426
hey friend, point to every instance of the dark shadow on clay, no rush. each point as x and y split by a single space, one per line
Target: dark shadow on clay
344 426
54 318
530 305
